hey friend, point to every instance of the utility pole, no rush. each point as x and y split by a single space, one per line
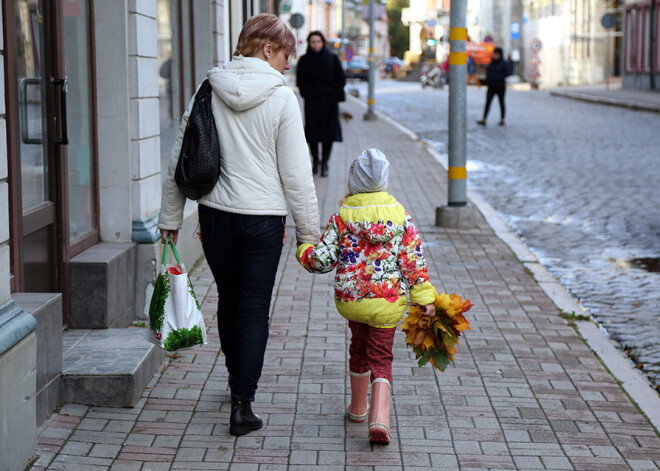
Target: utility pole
342 53
370 115
457 213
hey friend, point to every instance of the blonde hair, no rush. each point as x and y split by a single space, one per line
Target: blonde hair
264 29
345 197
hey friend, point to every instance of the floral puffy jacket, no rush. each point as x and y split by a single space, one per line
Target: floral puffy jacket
378 254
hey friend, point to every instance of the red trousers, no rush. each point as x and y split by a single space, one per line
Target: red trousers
371 350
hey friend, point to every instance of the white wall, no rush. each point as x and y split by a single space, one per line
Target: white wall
556 62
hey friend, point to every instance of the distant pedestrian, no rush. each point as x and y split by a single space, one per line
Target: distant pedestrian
496 74
320 79
472 70
378 254
264 173
445 69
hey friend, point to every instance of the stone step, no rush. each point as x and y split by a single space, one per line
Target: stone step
103 286
107 367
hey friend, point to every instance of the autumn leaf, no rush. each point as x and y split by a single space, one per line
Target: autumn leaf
434 339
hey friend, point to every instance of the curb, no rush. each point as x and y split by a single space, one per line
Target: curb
639 106
633 382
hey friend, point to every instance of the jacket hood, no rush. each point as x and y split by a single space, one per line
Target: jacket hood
245 82
373 216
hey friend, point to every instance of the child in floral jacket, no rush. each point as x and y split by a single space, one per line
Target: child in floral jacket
377 251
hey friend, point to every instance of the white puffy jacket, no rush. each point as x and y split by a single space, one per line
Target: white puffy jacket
265 167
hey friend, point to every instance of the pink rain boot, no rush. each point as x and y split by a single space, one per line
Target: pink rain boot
379 415
359 390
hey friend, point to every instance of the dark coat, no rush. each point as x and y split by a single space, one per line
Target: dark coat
497 72
320 79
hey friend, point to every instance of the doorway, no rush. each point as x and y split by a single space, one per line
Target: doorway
51 140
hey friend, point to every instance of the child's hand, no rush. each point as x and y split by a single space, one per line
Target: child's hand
429 310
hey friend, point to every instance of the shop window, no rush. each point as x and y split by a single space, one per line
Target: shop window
175 78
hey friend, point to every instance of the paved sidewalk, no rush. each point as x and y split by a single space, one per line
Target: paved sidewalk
525 392
645 100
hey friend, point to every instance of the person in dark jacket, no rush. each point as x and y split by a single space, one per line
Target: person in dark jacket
496 74
320 79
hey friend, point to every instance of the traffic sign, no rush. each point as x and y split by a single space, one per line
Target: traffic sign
349 53
536 44
297 20
515 30
534 60
285 6
608 21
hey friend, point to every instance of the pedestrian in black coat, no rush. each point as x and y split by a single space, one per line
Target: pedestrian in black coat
496 74
320 79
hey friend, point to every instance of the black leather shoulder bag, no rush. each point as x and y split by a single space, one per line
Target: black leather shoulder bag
198 167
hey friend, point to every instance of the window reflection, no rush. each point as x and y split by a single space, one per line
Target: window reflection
168 77
79 118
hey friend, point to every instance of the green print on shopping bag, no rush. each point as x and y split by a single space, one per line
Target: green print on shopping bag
157 306
175 315
183 338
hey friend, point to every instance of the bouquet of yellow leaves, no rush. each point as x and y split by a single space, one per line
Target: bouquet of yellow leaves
434 339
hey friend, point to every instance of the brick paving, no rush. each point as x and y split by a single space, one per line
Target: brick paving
525 391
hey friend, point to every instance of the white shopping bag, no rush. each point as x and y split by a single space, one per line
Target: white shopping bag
175 316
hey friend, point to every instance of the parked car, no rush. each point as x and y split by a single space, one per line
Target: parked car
358 68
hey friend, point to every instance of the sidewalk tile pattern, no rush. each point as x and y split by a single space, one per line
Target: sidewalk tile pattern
525 391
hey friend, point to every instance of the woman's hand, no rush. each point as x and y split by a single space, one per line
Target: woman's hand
429 310
164 233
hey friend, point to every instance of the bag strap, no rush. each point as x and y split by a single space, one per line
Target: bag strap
174 251
204 91
169 244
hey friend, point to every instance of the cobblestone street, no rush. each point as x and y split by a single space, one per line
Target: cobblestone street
577 181
525 392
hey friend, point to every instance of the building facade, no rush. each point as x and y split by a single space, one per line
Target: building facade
92 94
641 52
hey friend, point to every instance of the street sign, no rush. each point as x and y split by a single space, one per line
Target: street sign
431 23
349 53
536 44
534 60
297 20
608 21
285 6
515 30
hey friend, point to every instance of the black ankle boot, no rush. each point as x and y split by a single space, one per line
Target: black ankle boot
242 420
324 168
315 167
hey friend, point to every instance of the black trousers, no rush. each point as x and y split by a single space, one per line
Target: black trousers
490 94
326 148
243 253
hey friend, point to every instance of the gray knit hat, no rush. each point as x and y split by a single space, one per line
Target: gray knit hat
369 172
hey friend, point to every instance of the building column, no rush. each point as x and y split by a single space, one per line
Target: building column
114 129
203 39
18 343
221 52
144 119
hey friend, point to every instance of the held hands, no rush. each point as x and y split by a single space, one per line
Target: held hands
164 233
429 310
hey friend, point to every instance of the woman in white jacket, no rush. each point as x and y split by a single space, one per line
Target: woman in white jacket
265 172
